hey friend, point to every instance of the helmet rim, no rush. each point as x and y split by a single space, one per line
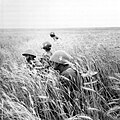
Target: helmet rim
29 52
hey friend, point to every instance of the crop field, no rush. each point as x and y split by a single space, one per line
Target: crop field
28 96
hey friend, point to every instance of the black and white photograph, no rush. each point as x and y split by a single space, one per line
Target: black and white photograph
59 60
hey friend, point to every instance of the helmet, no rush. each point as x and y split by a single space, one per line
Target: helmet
29 52
46 45
52 34
61 57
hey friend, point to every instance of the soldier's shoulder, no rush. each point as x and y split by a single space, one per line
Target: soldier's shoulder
69 71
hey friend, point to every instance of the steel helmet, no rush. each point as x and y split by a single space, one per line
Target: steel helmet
52 34
29 52
61 57
46 45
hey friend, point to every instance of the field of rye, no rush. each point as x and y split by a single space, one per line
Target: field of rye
27 96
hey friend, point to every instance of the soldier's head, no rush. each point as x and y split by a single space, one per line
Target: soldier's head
52 35
60 58
46 46
29 55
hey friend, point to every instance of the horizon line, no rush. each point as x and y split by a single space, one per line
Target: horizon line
64 28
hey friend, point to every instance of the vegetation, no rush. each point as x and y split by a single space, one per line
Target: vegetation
28 96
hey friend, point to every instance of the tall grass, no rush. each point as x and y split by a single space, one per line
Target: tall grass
28 96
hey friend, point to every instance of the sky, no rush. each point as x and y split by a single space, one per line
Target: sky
59 13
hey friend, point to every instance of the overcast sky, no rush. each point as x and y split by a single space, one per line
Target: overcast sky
59 13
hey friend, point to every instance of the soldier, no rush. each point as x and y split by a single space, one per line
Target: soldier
47 47
46 56
52 35
61 63
31 62
30 56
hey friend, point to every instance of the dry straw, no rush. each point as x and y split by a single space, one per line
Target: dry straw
25 96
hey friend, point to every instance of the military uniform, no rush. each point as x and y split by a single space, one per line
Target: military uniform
31 63
68 80
46 56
